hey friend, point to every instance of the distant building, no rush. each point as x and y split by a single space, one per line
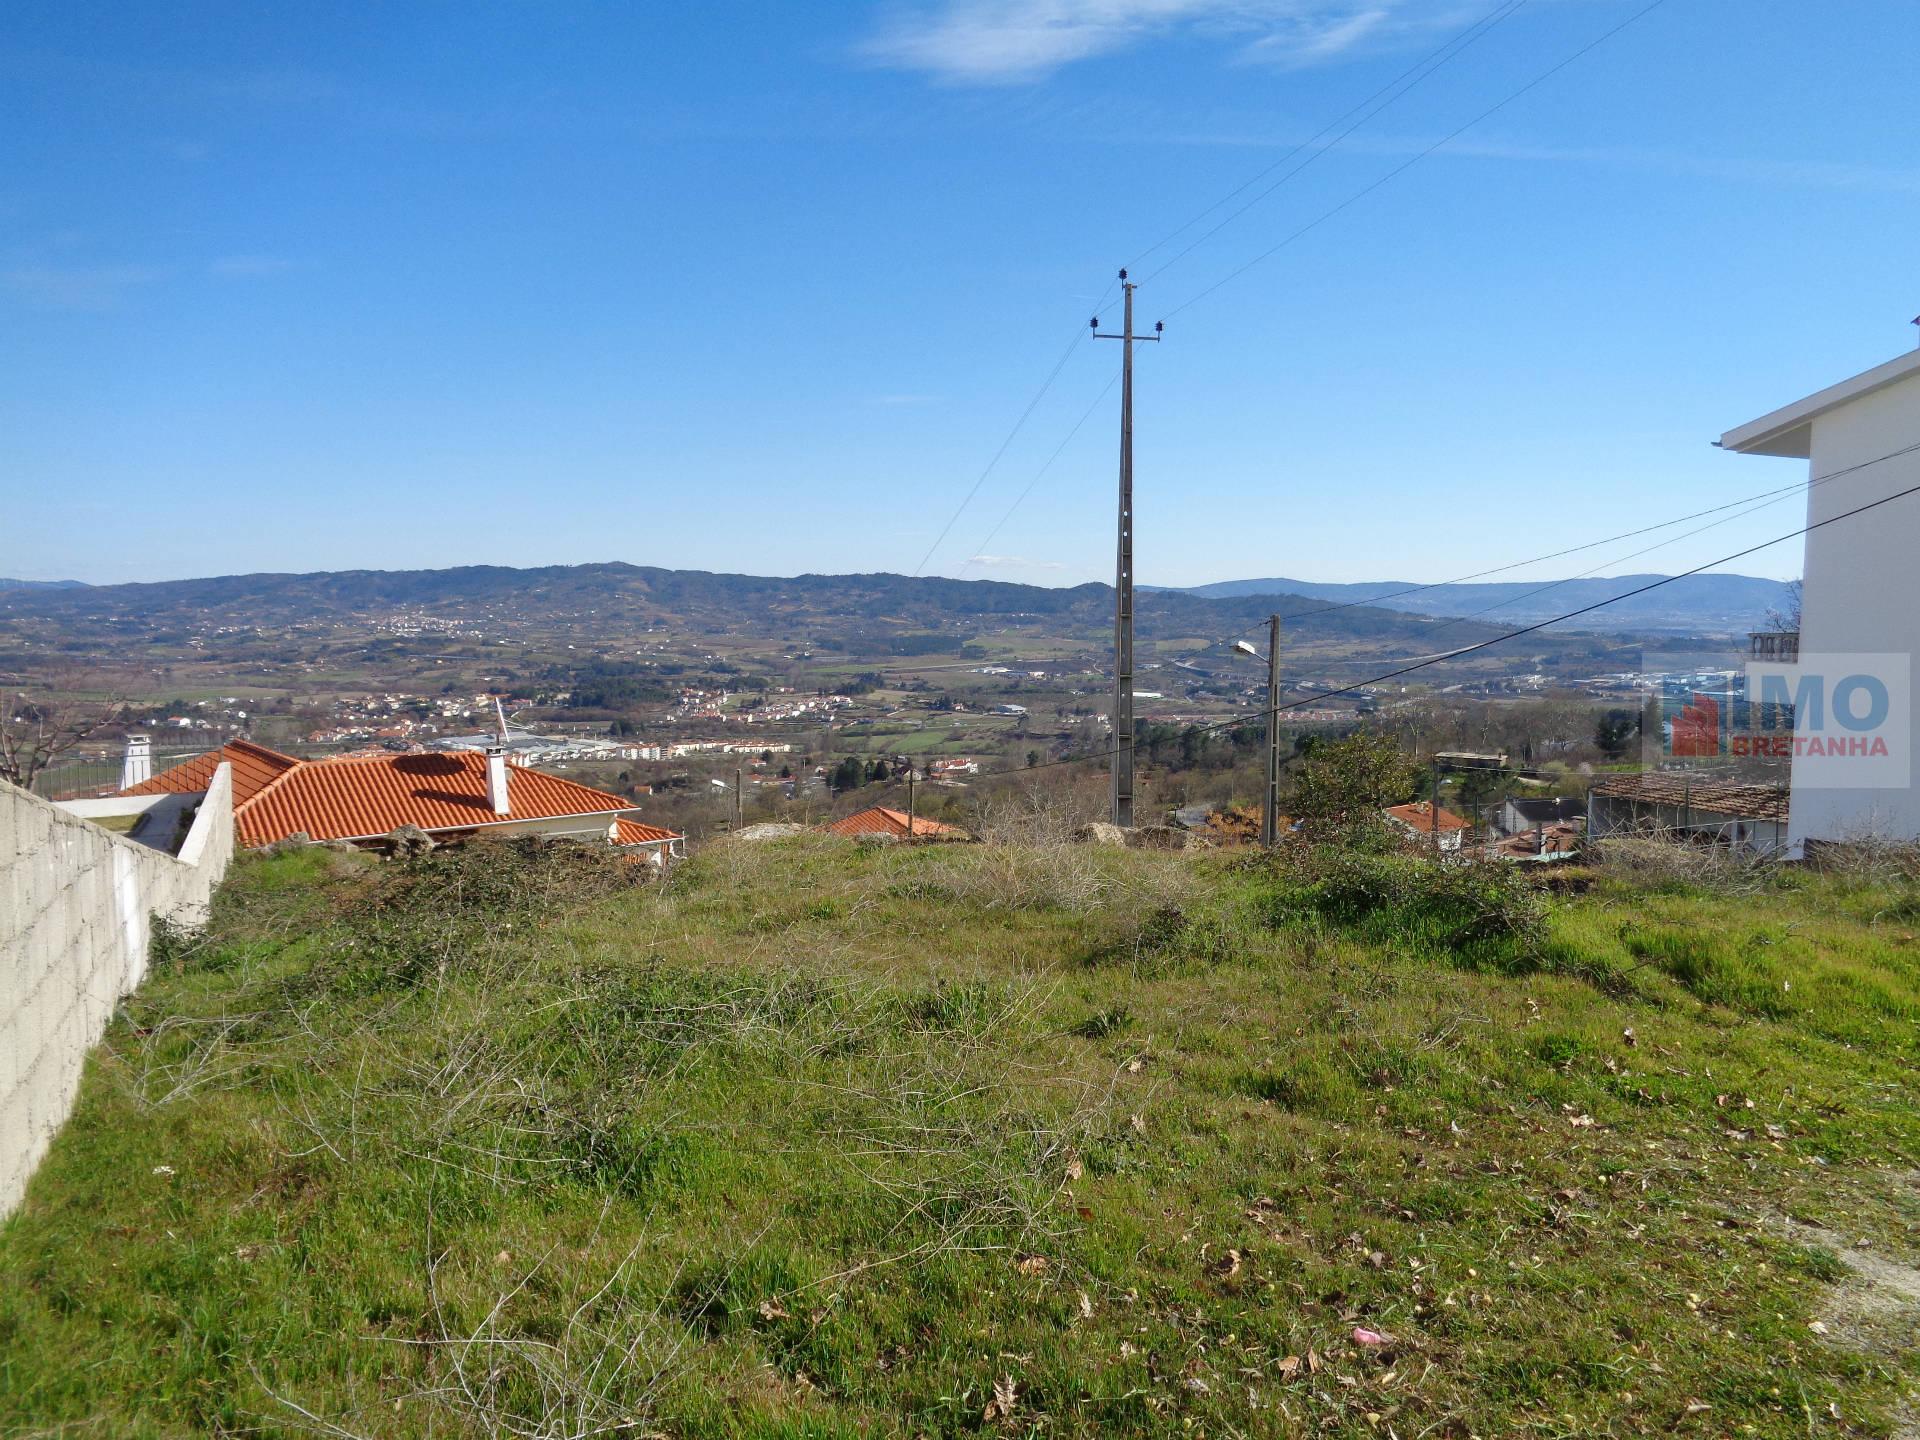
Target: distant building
365 798
1549 842
1743 817
1519 813
882 820
1418 819
1471 759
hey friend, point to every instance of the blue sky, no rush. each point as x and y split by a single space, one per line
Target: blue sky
765 287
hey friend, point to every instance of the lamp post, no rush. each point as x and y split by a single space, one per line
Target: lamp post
1270 806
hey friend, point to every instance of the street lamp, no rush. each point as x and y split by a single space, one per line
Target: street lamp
1270 809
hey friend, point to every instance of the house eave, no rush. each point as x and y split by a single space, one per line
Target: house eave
484 825
1788 431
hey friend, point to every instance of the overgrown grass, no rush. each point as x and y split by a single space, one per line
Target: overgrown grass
821 1140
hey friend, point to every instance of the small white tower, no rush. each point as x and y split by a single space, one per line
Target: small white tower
136 766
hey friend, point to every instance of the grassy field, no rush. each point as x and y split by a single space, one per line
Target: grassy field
820 1141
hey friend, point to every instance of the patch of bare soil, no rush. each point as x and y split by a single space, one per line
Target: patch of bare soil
1876 1309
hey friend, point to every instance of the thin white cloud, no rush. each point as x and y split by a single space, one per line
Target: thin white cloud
996 42
1010 562
76 287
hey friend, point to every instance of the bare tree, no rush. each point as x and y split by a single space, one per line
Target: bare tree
37 728
1785 617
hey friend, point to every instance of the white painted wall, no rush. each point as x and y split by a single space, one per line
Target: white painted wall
1862 593
76 909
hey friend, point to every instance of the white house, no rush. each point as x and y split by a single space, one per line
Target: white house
1860 621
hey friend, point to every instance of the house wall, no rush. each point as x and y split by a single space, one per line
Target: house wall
1862 593
76 907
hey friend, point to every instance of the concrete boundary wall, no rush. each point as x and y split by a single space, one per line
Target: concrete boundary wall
76 909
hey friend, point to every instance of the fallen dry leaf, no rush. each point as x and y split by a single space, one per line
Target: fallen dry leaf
772 1310
1031 1264
1006 1399
1074 1168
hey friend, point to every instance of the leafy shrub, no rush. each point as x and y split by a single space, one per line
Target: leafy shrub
1169 939
1480 912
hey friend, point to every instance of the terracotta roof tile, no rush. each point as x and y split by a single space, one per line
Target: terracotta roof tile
254 768
354 798
1418 816
633 832
882 820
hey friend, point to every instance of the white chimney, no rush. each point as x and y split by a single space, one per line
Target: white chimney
497 780
136 766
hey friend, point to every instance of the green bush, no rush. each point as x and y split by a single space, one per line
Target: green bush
1480 912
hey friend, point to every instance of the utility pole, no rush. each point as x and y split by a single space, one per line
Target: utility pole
737 816
1433 814
1122 763
911 825
1270 811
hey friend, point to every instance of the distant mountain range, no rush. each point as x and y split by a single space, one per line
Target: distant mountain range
803 604
1698 604
858 607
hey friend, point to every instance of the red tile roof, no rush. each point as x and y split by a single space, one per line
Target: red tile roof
1419 816
880 820
633 832
254 768
356 797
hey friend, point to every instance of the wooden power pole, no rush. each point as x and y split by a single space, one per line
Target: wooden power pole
1122 765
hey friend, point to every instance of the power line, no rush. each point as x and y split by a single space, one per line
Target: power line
1412 77
1409 163
1086 415
1018 424
1596 544
1513 600
1475 648
1392 91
